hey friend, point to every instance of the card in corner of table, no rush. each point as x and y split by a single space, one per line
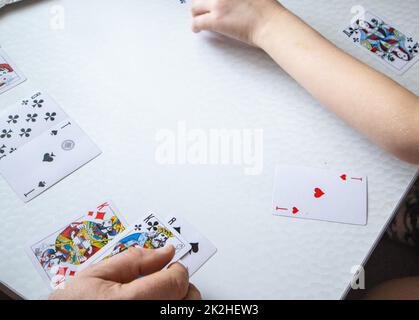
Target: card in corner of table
10 75
329 195
384 40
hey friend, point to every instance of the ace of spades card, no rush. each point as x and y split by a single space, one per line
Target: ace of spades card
62 252
384 40
319 194
40 145
10 75
150 232
201 248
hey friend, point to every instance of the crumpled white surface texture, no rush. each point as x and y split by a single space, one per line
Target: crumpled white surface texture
125 69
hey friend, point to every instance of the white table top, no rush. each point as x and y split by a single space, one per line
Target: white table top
125 70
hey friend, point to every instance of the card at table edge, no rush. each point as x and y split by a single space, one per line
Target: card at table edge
32 241
407 66
129 229
200 233
273 205
16 69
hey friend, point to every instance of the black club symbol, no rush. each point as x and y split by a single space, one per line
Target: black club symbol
50 116
13 119
12 150
2 149
6 133
356 40
25 132
410 39
37 103
31 117
152 226
138 227
25 102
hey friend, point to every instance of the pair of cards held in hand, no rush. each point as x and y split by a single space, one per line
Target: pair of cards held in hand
320 194
103 233
40 145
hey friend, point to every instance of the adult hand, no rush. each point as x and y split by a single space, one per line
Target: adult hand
117 278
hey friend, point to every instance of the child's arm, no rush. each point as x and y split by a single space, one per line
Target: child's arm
384 111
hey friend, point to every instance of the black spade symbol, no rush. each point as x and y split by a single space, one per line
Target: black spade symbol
177 229
54 132
195 247
41 184
48 157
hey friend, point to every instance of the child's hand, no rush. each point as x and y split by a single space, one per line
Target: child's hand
244 20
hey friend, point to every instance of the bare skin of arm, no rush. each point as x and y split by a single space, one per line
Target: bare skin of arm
397 289
375 105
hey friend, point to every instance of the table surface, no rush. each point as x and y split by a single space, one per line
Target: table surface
126 70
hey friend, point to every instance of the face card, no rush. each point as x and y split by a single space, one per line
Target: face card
61 253
385 41
320 194
150 232
201 248
50 157
26 120
10 75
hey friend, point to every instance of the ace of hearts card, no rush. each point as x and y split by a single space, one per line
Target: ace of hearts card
62 252
318 194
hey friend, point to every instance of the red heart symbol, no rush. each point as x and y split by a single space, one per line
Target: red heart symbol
295 210
343 177
318 193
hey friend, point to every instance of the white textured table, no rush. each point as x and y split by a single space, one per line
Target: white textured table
127 69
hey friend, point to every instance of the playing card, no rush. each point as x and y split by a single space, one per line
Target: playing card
201 248
61 253
47 159
10 75
384 40
149 232
27 119
320 194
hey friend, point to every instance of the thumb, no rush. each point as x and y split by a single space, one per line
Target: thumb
129 265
